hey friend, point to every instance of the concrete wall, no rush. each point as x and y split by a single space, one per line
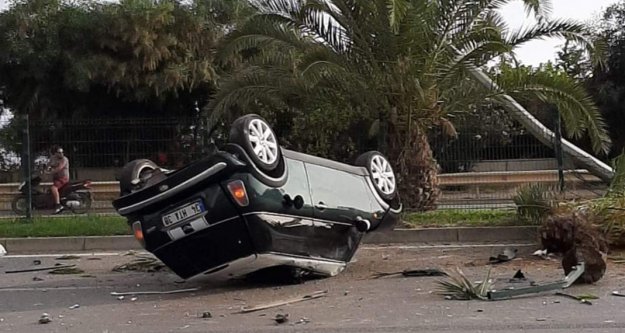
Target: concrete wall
97 174
521 165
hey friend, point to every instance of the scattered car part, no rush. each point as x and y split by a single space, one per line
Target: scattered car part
539 288
3 251
45 319
507 255
281 318
518 276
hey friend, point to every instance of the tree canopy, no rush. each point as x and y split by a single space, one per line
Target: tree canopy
89 59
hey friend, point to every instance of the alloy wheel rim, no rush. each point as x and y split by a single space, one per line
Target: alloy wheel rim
263 141
382 174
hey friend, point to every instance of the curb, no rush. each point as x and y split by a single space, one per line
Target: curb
455 235
478 235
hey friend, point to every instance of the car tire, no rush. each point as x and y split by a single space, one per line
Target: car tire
380 172
258 140
135 169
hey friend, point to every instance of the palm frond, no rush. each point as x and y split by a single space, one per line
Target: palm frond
617 185
397 12
459 287
261 31
548 29
540 8
251 86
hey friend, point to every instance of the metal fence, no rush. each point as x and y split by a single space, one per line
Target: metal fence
478 170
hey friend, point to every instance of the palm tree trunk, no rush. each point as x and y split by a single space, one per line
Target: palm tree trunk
417 170
545 135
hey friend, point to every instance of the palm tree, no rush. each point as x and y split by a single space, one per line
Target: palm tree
404 64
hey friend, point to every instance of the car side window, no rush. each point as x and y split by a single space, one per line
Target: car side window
343 194
271 199
297 183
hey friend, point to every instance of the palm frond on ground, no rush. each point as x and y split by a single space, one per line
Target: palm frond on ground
459 287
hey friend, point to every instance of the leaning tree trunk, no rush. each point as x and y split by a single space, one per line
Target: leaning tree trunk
416 169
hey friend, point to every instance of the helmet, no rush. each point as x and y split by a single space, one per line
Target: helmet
56 149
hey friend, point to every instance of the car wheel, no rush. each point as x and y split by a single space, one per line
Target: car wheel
380 172
134 175
258 140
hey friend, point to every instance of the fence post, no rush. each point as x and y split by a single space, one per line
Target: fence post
27 166
558 150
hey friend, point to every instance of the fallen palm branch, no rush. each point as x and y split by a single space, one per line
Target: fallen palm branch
308 297
459 287
142 264
584 299
39 269
411 273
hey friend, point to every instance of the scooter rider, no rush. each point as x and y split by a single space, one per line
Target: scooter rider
58 166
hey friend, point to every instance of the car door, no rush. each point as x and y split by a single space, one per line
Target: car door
338 195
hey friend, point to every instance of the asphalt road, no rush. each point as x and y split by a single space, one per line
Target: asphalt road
355 302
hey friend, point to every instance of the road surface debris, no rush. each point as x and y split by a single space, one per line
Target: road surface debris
314 295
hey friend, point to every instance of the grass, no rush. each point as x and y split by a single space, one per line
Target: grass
462 218
64 226
91 225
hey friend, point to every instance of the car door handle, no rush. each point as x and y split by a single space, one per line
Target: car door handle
321 205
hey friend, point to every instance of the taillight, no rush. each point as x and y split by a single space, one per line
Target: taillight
138 232
237 189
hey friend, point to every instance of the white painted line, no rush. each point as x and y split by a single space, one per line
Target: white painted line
90 254
43 289
445 246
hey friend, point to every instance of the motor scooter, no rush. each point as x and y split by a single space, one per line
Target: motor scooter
75 196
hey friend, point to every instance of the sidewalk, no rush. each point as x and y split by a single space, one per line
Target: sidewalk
429 236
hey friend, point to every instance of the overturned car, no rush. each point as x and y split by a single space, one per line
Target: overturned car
252 205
